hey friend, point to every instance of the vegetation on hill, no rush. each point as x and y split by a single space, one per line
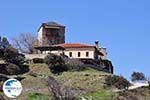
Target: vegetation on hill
14 61
60 78
86 81
89 83
24 42
58 64
117 81
138 76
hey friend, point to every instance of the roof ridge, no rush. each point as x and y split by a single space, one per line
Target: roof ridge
73 45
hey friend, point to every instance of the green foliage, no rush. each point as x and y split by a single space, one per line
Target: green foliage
117 81
11 55
148 83
1 52
37 96
38 60
58 64
14 60
138 76
101 95
53 59
4 43
12 69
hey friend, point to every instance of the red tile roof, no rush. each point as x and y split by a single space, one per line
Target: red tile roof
74 45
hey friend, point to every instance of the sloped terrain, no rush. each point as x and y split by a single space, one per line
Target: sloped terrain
90 83
35 80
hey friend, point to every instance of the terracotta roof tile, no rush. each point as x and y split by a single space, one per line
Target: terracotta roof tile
74 45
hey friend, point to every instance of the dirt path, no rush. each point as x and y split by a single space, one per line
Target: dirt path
134 85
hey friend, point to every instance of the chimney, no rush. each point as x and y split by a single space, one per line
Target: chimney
97 44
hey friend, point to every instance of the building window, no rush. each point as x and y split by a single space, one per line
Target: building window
79 54
87 54
70 54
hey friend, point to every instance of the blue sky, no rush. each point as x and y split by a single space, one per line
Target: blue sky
123 26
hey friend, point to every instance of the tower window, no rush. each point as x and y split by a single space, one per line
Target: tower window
70 54
87 54
79 54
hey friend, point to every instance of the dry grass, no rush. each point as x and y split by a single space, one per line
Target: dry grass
89 80
34 82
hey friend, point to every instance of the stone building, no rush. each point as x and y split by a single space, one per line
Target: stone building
78 51
51 33
51 39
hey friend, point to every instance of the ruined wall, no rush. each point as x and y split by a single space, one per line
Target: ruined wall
104 52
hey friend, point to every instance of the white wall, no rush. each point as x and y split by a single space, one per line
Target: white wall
58 52
75 52
82 52
40 36
31 56
103 50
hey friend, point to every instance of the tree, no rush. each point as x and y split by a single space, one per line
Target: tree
56 63
13 59
4 43
59 63
12 55
138 76
25 42
12 69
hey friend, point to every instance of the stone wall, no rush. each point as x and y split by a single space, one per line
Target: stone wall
31 56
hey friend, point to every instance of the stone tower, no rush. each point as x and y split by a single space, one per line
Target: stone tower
51 33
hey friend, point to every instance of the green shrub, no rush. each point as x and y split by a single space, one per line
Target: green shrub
38 60
117 81
37 96
1 53
11 55
122 83
148 83
14 60
12 69
4 43
137 76
53 59
100 95
58 64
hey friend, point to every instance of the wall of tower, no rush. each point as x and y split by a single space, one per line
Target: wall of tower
40 36
53 36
